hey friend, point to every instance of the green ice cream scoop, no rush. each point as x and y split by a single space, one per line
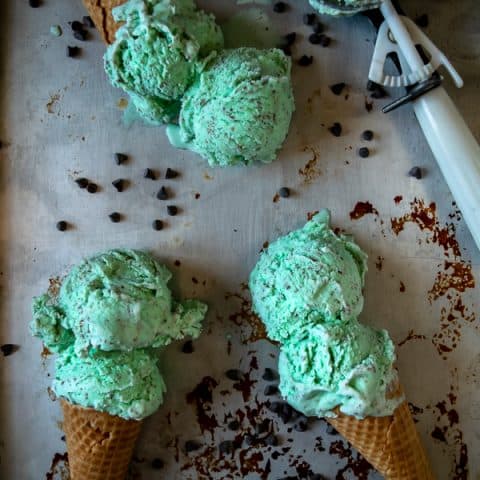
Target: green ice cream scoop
158 52
309 276
343 7
118 300
127 384
348 365
239 110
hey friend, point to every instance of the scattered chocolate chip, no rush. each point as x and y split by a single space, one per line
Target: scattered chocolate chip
363 152
234 374
149 173
317 476
157 464
73 52
88 22
325 41
76 26
309 18
301 425
280 7
233 425
34 3
187 347
284 192
337 89
286 413
157 225
377 91
226 447
80 35
270 390
315 38
192 445
422 20
269 375
120 158
61 225
119 184
162 194
271 440
177 263
63 438
262 427
335 129
172 210
250 439
415 172
276 407
290 38
169 174
82 182
115 217
92 188
9 349
318 27
367 135
305 60
286 50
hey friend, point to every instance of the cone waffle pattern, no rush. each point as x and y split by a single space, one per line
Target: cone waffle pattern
101 13
99 445
390 444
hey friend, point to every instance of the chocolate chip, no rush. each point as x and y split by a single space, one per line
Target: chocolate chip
301 425
270 390
271 440
82 182
286 413
315 39
157 225
309 18
367 135
377 91
92 188
172 210
276 407
422 21
337 89
318 27
61 225
157 464
149 173
415 172
73 52
9 349
34 3
88 22
269 375
305 60
234 374
325 41
187 347
226 447
363 152
280 7
288 478
80 35
169 174
120 158
317 476
115 217
233 425
76 26
119 184
162 194
290 38
192 445
284 192
335 129
286 50
250 439
262 427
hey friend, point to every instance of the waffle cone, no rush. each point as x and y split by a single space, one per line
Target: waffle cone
101 13
390 444
99 445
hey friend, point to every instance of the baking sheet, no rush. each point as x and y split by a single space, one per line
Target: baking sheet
61 119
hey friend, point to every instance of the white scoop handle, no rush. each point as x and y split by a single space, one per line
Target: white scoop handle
452 143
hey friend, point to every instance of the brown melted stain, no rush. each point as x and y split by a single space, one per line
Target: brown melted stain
122 103
379 263
54 285
455 276
310 171
58 468
246 384
202 397
368 105
402 287
411 336
310 215
276 198
361 209
355 462
397 199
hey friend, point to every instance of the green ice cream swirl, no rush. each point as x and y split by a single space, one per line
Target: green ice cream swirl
158 53
311 275
239 109
118 300
127 384
343 7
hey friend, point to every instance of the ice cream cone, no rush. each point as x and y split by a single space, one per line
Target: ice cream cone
99 445
390 444
101 13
